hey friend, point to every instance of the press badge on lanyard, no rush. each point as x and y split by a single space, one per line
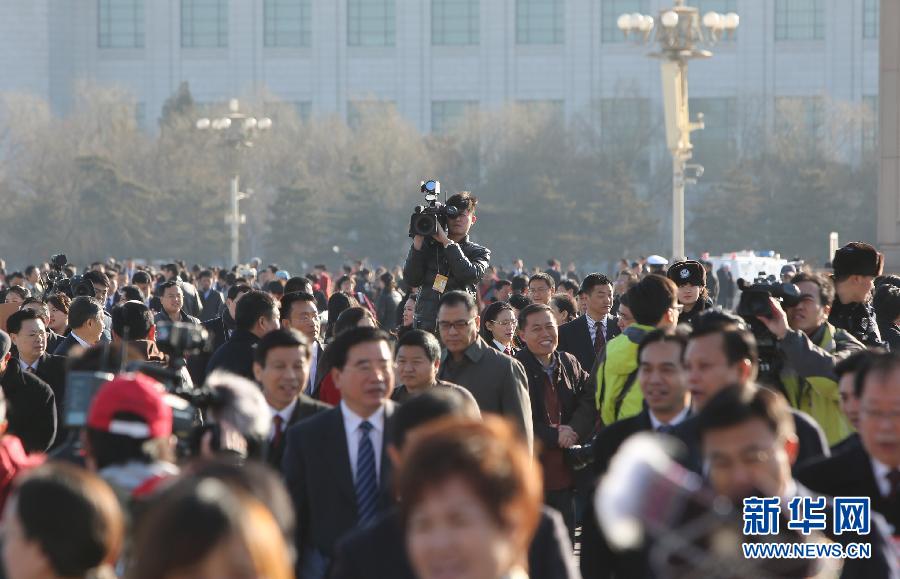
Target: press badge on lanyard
440 283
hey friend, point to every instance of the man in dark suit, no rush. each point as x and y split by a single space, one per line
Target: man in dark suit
171 296
28 334
281 367
219 330
211 300
379 551
722 352
256 314
31 406
586 337
664 387
86 326
872 468
562 405
299 312
334 464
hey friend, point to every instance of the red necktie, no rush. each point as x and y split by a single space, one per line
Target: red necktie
278 421
508 351
599 339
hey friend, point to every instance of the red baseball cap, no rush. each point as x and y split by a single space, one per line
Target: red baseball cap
136 394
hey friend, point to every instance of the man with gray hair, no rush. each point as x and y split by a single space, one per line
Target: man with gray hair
240 415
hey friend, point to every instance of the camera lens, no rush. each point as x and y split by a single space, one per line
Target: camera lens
424 225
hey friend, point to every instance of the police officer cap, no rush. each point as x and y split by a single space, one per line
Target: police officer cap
687 272
857 258
657 260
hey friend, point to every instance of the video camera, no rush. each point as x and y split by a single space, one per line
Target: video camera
56 280
424 220
754 303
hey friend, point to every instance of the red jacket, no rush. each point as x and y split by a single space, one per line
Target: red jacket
14 460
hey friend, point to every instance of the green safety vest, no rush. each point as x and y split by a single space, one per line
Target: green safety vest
618 391
819 396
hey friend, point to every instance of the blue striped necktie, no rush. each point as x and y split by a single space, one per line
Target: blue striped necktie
366 477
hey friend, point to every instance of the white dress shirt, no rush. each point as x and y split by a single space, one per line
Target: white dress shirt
285 414
25 366
679 418
79 340
353 432
313 364
500 346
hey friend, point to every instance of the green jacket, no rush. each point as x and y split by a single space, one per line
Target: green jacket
808 376
618 392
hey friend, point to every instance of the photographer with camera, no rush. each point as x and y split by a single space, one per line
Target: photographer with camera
809 347
442 258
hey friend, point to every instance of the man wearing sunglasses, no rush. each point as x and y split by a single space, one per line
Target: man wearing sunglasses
447 262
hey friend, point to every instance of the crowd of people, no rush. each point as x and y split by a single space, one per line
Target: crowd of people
446 419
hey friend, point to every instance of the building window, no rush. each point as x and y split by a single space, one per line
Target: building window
610 10
540 21
120 23
446 114
287 23
799 19
870 125
870 18
204 23
371 22
454 22
359 111
715 147
722 7
803 117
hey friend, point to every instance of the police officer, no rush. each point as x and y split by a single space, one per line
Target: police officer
856 265
690 277
449 262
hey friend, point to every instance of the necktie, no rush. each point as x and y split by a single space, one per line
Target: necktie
599 338
665 428
894 478
508 351
278 422
366 480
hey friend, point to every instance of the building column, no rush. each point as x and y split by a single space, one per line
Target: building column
889 135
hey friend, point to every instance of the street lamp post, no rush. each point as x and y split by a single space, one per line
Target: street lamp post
238 131
680 36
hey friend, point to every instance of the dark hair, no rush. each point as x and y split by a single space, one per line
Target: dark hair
337 303
592 280
490 314
205 273
543 277
298 284
30 270
519 283
651 298
664 336
457 298
463 200
345 278
886 302
15 321
529 310
387 278
427 407
176 283
171 268
519 301
737 404
739 342
108 449
73 515
253 306
274 287
877 362
501 283
567 284
288 300
351 317
43 311
339 349
60 301
282 338
96 278
22 292
422 339
826 286
84 308
141 276
131 293
565 304
237 289
132 320
853 363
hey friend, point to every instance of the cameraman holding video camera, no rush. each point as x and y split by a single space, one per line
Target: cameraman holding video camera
446 260
809 347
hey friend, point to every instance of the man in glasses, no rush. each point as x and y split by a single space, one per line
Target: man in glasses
498 382
447 261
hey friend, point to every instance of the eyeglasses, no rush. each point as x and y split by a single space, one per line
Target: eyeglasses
458 325
505 323
306 316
